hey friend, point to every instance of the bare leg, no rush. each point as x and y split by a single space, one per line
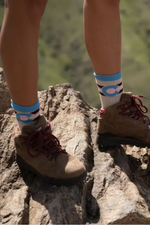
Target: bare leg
18 48
103 35
102 32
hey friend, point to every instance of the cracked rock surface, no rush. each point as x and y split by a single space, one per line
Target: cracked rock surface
116 190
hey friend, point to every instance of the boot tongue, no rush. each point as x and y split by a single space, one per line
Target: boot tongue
41 125
126 97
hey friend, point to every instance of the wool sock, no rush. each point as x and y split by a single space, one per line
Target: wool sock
26 115
110 88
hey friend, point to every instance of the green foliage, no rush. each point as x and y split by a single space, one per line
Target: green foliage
2 2
62 32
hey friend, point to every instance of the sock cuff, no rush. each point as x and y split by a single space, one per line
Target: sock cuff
112 77
20 108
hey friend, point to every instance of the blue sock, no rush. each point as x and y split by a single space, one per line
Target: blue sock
26 115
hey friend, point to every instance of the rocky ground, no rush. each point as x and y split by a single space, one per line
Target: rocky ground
116 190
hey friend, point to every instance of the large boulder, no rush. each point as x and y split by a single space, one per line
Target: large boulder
116 190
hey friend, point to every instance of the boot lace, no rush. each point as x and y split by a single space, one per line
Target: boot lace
44 142
135 109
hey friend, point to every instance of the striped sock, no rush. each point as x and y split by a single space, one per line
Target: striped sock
110 88
26 115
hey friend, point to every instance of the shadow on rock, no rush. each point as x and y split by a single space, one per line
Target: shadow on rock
51 204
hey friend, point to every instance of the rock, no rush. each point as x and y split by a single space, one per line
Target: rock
116 190
14 206
4 94
1 70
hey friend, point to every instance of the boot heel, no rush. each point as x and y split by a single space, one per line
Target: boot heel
107 140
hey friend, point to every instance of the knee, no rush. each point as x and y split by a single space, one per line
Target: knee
34 9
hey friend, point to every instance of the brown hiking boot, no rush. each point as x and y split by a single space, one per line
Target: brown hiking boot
124 123
39 151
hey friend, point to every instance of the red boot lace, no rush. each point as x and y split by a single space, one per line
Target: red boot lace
43 142
135 109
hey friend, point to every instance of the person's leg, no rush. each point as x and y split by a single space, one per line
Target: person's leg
18 48
18 51
102 31
122 119
38 150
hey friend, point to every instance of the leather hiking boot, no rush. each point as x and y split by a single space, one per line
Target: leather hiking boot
40 152
124 123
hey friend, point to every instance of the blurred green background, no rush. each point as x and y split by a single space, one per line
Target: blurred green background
63 57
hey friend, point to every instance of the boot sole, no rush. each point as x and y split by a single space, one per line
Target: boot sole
108 139
70 181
